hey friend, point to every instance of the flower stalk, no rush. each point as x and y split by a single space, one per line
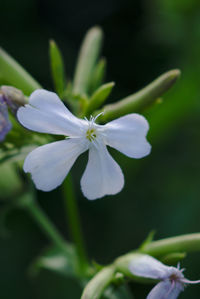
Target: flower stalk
74 223
28 202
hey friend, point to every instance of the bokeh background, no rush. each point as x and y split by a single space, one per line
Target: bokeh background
143 39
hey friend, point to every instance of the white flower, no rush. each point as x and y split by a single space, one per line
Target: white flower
49 164
172 279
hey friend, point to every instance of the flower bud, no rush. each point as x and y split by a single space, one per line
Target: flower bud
5 124
13 97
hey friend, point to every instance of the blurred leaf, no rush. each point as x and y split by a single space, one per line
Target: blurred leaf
98 75
148 240
98 97
12 73
117 292
57 68
54 260
10 182
88 56
142 99
15 154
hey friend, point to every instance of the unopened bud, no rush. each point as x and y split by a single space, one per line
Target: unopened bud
13 97
5 124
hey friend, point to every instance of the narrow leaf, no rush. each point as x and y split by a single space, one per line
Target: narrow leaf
57 68
88 56
99 96
137 102
98 75
12 73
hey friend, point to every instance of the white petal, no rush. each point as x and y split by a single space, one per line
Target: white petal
102 176
128 135
46 113
165 290
149 267
49 164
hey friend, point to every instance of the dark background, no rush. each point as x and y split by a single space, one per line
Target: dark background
143 39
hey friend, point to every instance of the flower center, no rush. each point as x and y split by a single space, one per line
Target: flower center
91 134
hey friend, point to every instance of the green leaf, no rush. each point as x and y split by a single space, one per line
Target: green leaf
86 62
52 259
15 154
12 73
148 240
10 182
142 99
57 68
99 97
98 75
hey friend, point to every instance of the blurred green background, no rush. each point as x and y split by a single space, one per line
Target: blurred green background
142 40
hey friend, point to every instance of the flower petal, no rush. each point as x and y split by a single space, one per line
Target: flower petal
49 164
102 175
46 113
166 290
149 267
128 135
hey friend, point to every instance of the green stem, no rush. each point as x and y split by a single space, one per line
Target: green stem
73 219
46 225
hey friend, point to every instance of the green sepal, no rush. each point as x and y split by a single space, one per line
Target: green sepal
12 73
173 258
57 68
98 75
87 58
148 240
99 97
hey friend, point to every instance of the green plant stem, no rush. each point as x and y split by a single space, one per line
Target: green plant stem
46 225
74 221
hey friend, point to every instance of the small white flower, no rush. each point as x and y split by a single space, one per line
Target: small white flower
172 279
49 164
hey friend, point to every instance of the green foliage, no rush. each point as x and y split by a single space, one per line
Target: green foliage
88 56
57 68
12 73
98 75
98 97
52 259
10 182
